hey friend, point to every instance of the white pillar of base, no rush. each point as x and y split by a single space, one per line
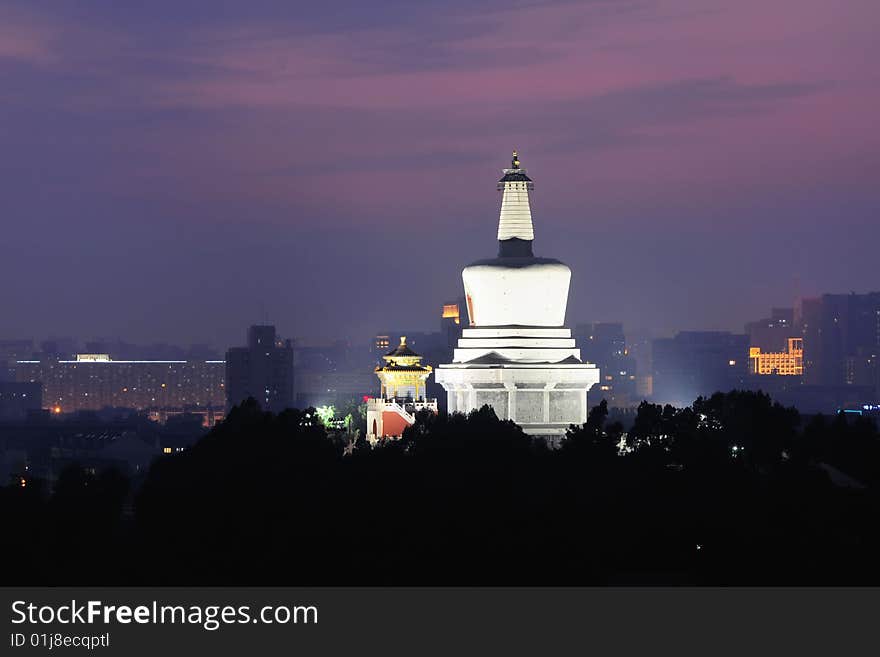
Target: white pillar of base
511 401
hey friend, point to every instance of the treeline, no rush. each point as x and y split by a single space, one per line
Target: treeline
734 489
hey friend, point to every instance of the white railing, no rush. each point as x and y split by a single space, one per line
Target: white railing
400 410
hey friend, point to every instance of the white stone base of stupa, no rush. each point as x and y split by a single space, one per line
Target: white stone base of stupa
530 375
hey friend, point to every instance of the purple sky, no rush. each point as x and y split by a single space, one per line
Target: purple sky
177 170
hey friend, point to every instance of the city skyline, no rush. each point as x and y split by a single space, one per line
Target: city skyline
365 338
325 305
179 179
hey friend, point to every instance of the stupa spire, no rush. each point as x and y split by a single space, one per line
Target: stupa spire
515 230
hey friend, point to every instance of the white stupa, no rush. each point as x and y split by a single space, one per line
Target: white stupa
517 356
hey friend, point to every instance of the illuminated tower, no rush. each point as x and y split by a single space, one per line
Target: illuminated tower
517 356
403 376
402 394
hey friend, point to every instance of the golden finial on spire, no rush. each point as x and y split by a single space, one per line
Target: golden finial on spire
402 340
515 161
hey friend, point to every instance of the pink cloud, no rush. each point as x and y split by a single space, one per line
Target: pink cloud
546 53
691 102
26 38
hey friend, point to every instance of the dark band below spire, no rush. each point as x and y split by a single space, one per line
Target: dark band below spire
515 248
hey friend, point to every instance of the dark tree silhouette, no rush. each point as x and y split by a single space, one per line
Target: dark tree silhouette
733 490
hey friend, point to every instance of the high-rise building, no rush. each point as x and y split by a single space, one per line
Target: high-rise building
771 334
262 370
696 363
841 339
604 344
451 321
333 374
517 356
403 384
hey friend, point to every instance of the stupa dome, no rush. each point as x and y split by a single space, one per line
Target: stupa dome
516 288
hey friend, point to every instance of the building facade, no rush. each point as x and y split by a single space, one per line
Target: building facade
698 363
604 344
771 334
92 382
841 335
262 370
451 321
783 363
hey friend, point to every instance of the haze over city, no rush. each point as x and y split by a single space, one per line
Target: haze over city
177 174
328 306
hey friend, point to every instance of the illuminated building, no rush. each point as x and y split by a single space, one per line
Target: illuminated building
452 312
783 363
92 382
381 343
450 325
517 356
434 346
403 380
262 370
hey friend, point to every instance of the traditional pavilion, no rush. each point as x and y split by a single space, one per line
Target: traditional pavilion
517 356
402 379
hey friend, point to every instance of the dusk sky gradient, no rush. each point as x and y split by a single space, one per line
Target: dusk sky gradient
174 171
